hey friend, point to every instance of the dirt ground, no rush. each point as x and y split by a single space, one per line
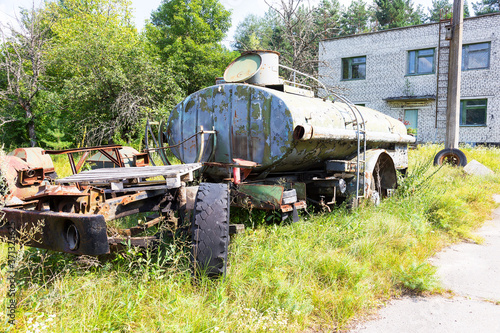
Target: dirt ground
471 273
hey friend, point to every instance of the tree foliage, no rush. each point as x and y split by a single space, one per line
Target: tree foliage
328 18
301 32
293 29
356 18
77 72
444 9
187 35
440 9
22 70
104 76
486 7
254 33
397 13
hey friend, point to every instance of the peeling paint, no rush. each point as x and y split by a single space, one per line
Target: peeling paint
257 124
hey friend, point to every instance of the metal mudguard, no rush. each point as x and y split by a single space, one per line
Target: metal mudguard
56 231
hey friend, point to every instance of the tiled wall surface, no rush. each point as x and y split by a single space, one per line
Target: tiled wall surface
386 75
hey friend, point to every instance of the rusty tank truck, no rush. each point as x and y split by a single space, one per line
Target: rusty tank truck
254 139
278 145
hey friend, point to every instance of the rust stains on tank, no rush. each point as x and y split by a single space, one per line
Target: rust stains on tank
257 124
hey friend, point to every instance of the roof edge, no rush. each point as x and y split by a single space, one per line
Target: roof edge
418 98
401 28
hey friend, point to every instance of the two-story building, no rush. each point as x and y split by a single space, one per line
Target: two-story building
403 72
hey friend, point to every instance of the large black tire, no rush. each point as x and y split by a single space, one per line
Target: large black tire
211 229
452 156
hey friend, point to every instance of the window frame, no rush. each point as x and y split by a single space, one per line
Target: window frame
404 117
463 114
415 64
465 56
350 64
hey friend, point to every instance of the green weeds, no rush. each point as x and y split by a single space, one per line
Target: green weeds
317 274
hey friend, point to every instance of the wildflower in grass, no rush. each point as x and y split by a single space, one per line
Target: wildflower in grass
41 323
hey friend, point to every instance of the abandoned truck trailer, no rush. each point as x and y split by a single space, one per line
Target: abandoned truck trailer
269 136
258 140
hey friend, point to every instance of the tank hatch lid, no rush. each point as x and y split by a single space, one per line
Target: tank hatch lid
243 68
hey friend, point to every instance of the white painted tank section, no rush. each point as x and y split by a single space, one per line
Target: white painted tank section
268 73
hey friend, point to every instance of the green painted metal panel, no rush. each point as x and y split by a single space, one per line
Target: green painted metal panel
260 196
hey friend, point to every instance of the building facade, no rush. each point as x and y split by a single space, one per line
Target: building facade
403 72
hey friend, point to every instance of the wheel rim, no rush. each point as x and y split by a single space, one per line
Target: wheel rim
72 237
450 158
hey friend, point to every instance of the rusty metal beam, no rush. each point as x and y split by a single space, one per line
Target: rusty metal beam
133 231
72 163
80 150
64 232
117 161
82 161
133 241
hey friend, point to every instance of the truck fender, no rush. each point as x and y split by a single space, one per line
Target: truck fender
380 173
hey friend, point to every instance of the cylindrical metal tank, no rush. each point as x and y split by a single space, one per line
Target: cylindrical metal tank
277 130
268 70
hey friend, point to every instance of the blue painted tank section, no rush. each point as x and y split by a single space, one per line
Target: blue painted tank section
256 124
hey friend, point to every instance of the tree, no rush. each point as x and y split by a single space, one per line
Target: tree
299 30
356 18
187 36
22 66
328 16
294 30
443 9
440 9
466 9
254 33
397 13
486 6
105 82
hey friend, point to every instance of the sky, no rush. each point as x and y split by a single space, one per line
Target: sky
143 8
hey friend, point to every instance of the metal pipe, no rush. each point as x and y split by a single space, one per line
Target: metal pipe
307 132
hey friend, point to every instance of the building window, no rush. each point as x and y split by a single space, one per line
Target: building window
421 62
475 56
411 121
473 112
354 68
411 118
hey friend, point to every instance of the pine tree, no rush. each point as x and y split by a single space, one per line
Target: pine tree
356 18
397 13
486 7
440 9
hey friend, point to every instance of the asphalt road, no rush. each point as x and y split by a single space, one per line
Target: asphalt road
472 274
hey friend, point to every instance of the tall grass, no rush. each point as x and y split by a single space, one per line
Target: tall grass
314 275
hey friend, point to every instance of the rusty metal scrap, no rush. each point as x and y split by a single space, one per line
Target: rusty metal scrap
19 177
35 158
49 230
105 150
145 241
31 176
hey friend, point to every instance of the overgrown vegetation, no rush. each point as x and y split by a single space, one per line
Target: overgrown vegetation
317 274
78 73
